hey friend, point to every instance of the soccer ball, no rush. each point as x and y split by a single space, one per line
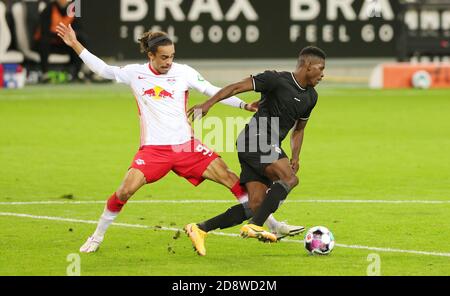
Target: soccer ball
421 79
319 240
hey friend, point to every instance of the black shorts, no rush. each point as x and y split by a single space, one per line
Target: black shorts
253 164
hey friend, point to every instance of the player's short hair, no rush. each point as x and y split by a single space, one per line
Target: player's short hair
150 41
311 51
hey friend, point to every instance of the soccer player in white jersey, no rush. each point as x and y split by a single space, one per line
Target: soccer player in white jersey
161 87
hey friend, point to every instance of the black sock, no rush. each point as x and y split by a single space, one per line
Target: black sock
277 193
231 217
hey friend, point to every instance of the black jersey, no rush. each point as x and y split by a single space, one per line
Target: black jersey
283 102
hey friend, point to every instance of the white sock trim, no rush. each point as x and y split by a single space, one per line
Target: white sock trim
105 220
271 222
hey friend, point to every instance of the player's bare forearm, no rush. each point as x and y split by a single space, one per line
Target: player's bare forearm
231 90
226 92
296 143
78 47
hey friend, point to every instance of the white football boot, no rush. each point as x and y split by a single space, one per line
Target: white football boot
282 229
91 245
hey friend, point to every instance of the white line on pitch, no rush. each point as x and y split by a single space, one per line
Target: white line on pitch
391 250
83 221
56 202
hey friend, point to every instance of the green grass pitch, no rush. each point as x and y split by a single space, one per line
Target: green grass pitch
74 144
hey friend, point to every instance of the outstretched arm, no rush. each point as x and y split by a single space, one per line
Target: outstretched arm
236 102
95 64
196 81
226 92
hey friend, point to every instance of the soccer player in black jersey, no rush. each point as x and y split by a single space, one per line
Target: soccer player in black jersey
287 99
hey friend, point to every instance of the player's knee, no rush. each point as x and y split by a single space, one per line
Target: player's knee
255 203
227 177
124 193
294 181
232 177
291 181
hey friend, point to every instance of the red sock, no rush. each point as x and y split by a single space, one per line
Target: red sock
114 204
239 191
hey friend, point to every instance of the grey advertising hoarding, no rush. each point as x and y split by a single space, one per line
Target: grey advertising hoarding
245 28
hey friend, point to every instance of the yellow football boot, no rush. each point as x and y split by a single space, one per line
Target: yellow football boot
197 237
255 231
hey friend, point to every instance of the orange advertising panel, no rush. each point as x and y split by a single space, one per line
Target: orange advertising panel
399 75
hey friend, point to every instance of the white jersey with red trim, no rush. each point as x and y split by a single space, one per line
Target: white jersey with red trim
162 101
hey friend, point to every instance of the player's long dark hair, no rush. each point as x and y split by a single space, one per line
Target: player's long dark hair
150 41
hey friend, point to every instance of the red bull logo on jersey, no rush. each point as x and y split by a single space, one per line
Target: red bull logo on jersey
158 93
